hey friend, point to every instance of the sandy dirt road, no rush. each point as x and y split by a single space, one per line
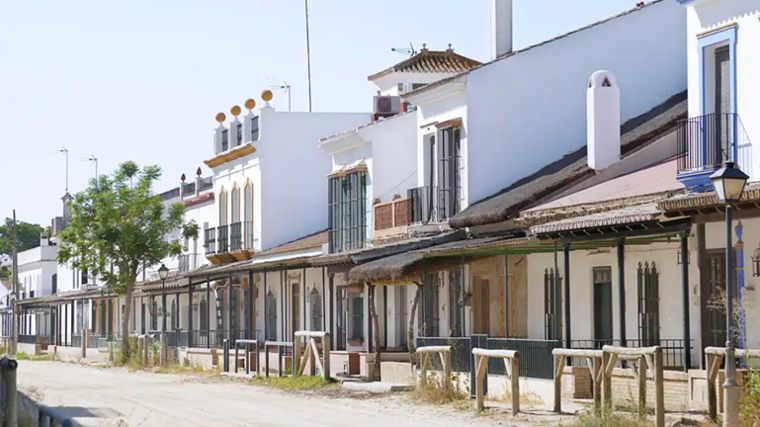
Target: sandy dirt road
101 395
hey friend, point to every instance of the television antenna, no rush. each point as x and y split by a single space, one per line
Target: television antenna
65 153
286 87
91 159
405 50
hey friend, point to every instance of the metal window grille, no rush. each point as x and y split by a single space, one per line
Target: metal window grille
449 180
429 316
455 303
649 304
347 212
225 140
271 313
357 318
239 133
316 310
550 313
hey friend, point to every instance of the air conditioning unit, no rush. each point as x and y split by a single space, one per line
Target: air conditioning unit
387 105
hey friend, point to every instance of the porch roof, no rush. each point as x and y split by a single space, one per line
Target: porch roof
363 255
689 204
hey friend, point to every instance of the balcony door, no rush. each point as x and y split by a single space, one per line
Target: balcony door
723 122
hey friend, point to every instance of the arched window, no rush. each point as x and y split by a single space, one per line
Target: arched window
315 299
173 325
248 214
204 314
223 207
235 205
271 313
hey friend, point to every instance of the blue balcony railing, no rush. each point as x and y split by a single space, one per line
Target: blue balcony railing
706 142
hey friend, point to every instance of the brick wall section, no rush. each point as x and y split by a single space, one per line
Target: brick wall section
576 383
677 390
401 212
383 216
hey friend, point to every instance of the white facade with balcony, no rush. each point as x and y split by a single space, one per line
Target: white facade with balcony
483 130
722 43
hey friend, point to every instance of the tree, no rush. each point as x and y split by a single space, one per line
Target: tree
5 272
119 227
28 236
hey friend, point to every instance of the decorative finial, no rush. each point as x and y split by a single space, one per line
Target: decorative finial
220 117
266 95
250 104
450 48
182 177
198 172
235 111
424 47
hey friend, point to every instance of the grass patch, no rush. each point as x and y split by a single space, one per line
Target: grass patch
592 417
527 398
293 383
40 357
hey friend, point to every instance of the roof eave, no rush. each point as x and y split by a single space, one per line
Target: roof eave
434 93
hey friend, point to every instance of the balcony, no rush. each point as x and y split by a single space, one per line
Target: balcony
704 143
189 262
210 241
222 239
236 237
391 218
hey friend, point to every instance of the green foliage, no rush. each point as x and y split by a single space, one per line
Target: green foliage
119 226
5 272
292 383
750 410
28 236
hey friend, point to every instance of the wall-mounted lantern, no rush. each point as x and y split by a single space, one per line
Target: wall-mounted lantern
756 263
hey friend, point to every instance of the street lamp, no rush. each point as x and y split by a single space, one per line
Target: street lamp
163 273
729 183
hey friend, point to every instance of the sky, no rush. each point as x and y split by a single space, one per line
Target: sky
142 80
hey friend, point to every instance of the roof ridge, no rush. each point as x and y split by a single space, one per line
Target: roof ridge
456 63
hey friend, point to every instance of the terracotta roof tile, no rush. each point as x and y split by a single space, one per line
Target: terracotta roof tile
429 61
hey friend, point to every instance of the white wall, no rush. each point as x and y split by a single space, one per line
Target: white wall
37 277
537 98
582 263
289 174
709 15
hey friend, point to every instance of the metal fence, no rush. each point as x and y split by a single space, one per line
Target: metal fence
672 349
536 360
76 340
536 355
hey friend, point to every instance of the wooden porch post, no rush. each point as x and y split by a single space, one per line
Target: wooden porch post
621 289
230 311
190 315
208 312
685 301
506 296
266 309
566 260
464 298
251 308
556 293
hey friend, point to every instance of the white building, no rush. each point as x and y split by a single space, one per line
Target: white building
266 179
527 106
37 278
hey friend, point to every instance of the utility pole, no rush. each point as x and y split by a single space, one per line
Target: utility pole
308 49
14 275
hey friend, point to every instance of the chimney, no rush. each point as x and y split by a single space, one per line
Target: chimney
66 210
603 120
501 28
44 239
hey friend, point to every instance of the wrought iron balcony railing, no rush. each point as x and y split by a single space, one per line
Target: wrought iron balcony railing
708 141
222 239
422 205
188 262
236 237
210 241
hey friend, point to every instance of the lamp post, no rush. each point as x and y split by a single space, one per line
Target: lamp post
729 183
163 272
